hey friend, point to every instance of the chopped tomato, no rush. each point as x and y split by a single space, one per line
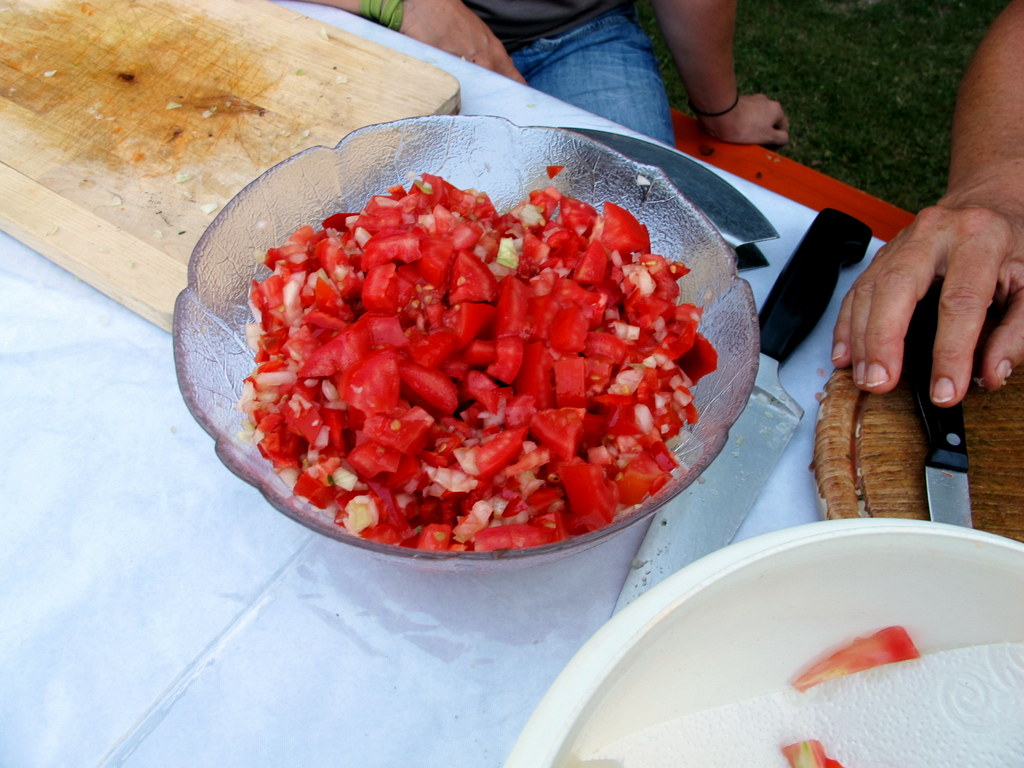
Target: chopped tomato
436 536
513 536
570 382
472 280
700 360
498 452
437 375
641 477
885 646
371 385
508 357
622 232
808 754
430 385
592 498
560 430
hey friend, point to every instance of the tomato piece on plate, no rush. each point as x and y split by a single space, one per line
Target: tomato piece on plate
808 754
885 646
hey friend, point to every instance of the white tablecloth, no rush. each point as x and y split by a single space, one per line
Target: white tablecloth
158 612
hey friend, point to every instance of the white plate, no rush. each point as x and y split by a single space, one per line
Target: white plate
743 621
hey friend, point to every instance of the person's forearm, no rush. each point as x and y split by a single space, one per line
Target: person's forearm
699 35
452 27
972 239
988 126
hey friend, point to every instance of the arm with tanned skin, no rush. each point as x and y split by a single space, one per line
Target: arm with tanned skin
452 27
699 35
973 239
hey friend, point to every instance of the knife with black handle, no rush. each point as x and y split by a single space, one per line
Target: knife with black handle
945 470
706 515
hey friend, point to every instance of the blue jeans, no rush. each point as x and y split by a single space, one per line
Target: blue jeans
606 66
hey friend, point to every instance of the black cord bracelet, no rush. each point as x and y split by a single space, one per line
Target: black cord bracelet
730 108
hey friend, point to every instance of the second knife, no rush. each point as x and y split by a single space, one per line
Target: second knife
945 470
705 516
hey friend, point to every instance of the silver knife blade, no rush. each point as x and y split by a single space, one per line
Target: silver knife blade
739 220
706 515
949 496
698 520
945 471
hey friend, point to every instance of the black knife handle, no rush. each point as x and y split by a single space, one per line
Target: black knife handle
804 289
947 439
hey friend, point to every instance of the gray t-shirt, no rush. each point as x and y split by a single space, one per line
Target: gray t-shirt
520 22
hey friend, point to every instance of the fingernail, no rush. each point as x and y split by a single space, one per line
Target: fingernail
943 391
858 374
839 350
876 375
1003 371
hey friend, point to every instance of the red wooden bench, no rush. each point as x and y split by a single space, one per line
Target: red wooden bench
789 178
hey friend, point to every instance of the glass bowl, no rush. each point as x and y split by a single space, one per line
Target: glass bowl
491 155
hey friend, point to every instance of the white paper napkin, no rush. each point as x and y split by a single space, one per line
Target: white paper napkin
958 709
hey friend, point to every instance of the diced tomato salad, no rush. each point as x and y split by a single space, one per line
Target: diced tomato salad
435 374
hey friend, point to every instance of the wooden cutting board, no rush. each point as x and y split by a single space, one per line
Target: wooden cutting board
125 125
869 454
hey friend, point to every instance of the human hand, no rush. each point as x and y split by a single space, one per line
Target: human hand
755 119
978 252
452 27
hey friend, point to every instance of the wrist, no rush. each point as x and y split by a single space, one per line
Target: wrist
715 113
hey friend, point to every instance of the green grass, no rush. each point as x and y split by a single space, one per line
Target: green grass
868 85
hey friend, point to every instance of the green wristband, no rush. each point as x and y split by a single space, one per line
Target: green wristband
385 12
